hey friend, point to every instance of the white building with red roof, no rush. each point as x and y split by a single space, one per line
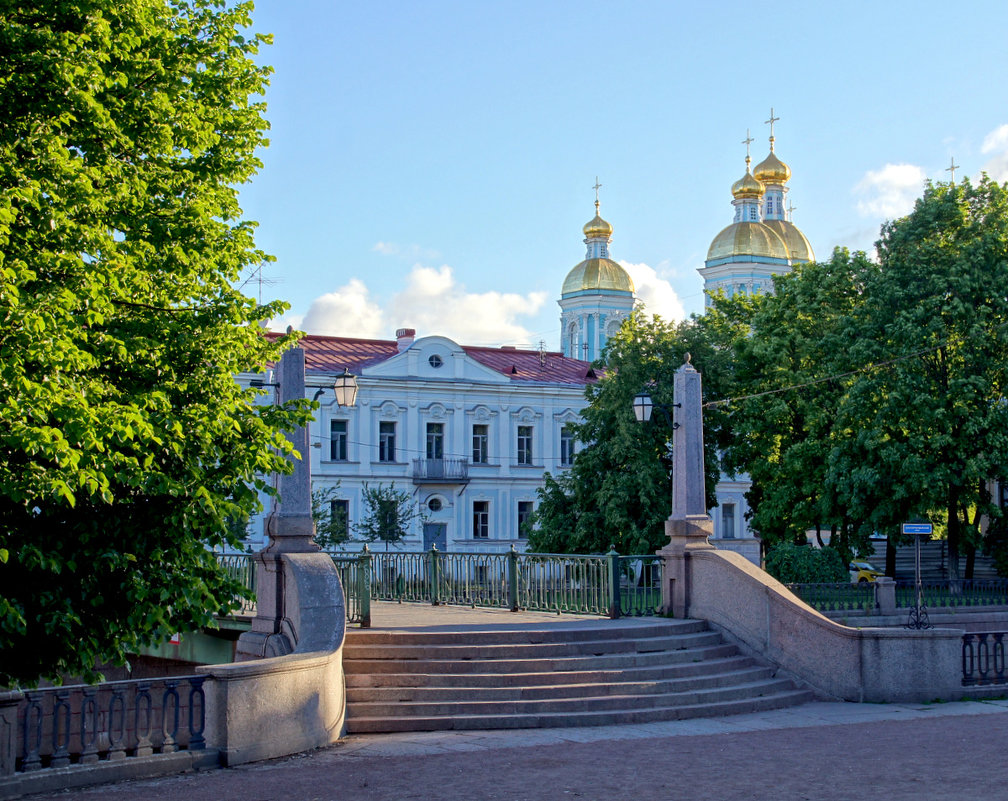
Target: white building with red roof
469 431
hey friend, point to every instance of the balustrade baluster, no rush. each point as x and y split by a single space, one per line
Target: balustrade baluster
89 725
197 720
33 722
117 734
169 725
61 729
143 719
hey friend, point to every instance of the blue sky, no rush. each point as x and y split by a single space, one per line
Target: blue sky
431 163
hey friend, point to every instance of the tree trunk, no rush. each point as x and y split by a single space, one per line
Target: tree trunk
954 534
890 557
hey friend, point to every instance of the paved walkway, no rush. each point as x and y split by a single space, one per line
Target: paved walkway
821 751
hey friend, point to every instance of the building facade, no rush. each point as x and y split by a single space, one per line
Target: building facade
468 432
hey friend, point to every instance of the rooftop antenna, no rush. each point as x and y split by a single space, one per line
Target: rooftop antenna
542 350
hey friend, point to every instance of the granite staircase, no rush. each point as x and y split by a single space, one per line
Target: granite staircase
593 673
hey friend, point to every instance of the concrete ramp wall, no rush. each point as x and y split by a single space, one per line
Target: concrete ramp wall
855 664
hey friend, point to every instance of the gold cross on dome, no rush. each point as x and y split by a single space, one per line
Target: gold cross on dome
771 121
952 168
596 188
747 141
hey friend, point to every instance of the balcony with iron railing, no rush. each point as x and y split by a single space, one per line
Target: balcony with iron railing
440 471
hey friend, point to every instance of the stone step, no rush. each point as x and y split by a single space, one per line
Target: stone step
470 649
600 703
361 725
560 632
429 694
533 671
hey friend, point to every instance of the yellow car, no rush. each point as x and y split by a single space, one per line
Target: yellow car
864 571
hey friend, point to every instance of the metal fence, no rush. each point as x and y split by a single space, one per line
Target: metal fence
241 567
966 592
841 597
596 584
82 724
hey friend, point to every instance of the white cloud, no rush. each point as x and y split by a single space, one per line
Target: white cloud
890 192
408 252
348 312
432 302
655 292
995 145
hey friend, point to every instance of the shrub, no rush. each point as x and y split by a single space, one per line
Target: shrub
803 564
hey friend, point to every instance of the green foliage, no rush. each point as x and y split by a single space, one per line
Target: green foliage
784 440
332 528
388 514
618 492
126 445
801 564
923 435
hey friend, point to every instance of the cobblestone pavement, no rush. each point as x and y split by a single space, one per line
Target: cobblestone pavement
821 751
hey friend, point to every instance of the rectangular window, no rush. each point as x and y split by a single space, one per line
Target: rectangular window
524 444
524 518
339 515
728 521
386 441
338 440
566 447
481 520
481 444
435 440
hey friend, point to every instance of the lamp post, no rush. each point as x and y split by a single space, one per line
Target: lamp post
689 525
292 572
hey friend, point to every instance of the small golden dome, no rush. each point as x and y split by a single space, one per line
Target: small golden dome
772 170
798 246
747 186
748 239
597 274
597 228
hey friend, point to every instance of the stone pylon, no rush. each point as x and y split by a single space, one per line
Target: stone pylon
689 525
300 604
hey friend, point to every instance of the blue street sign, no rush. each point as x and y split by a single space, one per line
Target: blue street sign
918 528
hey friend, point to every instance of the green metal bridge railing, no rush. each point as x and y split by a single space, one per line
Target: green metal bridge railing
596 584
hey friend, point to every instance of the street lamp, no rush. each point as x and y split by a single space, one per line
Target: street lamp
643 406
344 387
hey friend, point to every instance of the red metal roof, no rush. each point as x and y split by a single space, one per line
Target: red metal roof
335 353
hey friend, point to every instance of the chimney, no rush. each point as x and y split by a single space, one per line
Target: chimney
404 338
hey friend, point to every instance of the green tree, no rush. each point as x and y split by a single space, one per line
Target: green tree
783 428
924 435
332 528
619 490
388 514
126 445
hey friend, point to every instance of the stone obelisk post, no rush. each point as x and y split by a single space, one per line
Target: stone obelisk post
689 525
299 604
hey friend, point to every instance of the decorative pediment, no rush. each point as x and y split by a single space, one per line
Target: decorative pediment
435 359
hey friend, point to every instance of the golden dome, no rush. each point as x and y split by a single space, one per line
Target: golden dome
597 274
747 186
597 227
772 170
748 239
798 246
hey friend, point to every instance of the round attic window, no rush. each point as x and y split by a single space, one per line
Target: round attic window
435 361
434 504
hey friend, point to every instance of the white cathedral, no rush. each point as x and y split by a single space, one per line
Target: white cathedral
470 432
